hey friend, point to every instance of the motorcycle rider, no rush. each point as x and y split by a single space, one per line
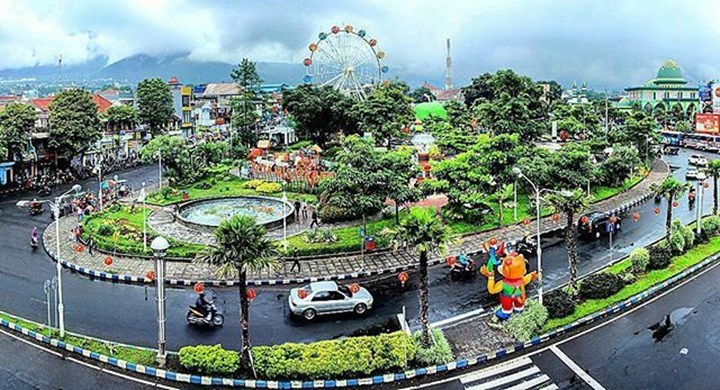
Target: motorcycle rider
463 260
34 237
204 306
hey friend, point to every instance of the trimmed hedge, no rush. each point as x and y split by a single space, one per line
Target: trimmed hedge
558 303
209 359
659 257
639 258
438 353
601 285
526 325
335 358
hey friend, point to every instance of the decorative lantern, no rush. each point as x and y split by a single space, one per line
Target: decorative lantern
675 204
108 260
556 217
493 241
656 210
526 221
199 287
250 294
79 248
302 294
150 275
636 216
584 219
451 260
354 288
403 277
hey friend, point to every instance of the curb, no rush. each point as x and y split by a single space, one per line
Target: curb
121 278
367 381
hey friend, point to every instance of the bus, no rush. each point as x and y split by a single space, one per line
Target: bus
699 141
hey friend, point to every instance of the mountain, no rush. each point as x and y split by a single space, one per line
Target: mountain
53 72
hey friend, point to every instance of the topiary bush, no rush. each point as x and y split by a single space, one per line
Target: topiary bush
659 257
689 235
711 225
526 325
209 359
439 351
269 188
639 258
335 358
601 285
253 184
558 304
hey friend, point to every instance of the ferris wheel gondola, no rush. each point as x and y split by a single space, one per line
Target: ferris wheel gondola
345 59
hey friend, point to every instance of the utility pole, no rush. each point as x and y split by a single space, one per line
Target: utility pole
607 124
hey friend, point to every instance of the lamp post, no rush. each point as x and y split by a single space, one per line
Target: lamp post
55 206
159 156
700 190
284 200
159 247
142 199
116 186
98 168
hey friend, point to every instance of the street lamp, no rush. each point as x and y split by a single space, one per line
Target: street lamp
98 170
159 247
55 206
701 190
142 199
297 212
159 157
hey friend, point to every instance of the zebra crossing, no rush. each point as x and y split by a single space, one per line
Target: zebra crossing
518 374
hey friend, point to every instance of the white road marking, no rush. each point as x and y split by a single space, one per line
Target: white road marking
551 386
576 369
495 370
531 383
506 379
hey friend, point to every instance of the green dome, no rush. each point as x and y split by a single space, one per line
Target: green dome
670 70
425 110
624 102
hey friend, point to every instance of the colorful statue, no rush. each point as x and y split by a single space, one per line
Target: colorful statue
512 286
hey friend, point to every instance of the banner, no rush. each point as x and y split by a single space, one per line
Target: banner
707 123
716 99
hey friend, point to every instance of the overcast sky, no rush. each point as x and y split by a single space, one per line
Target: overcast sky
606 43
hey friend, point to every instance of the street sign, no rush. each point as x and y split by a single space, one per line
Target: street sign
609 227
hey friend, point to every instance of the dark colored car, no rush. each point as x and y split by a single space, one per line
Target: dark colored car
597 224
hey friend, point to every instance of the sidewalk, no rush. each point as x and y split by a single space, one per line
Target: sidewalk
130 269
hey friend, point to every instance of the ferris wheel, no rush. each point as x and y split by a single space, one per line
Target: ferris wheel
347 60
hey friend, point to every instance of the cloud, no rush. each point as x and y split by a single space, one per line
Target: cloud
607 44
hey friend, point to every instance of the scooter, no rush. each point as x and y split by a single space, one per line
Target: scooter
196 317
36 208
33 244
527 246
459 269
45 191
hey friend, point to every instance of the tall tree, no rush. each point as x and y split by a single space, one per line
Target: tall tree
320 112
422 94
74 122
639 130
246 76
386 111
17 122
176 161
714 170
570 203
241 246
670 189
424 231
155 104
402 168
122 117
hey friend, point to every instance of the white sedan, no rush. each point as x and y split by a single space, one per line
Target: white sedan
328 298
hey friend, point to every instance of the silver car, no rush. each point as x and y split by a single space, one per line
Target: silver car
327 298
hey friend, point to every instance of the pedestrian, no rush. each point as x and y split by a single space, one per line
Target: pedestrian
296 261
80 214
314 219
304 211
90 244
76 232
297 209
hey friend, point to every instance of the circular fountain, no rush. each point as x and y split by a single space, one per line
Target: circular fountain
207 214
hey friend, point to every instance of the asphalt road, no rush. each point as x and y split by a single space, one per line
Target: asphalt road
126 313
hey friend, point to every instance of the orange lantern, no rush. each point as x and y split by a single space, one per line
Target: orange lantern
150 275
354 288
451 260
403 277
526 221
636 216
675 204
584 219
493 241
79 248
302 294
199 287
250 294
108 260
556 217
656 210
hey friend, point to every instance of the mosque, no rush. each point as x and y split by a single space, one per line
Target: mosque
666 91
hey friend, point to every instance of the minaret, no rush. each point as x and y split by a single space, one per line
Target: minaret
448 69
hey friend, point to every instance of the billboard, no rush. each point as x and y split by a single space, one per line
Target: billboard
707 123
716 98
705 92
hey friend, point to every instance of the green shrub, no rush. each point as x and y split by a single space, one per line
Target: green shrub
253 184
526 325
106 230
209 359
269 188
711 225
314 236
689 235
330 213
659 257
677 242
203 185
558 303
601 285
639 258
167 192
335 358
300 144
439 351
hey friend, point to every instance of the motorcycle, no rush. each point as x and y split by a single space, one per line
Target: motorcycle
196 317
36 208
457 268
526 247
34 244
45 191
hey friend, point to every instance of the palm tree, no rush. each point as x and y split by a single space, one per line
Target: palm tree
714 169
670 189
570 202
423 230
241 246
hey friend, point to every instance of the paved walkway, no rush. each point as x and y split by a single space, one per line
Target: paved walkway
326 268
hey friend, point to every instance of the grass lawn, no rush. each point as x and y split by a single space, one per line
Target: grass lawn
129 226
136 355
599 193
677 265
218 188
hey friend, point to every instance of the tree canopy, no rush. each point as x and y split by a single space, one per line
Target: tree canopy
74 122
320 112
17 122
155 104
386 111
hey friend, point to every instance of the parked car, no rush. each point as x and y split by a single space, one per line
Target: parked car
671 150
697 160
694 174
327 298
596 224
